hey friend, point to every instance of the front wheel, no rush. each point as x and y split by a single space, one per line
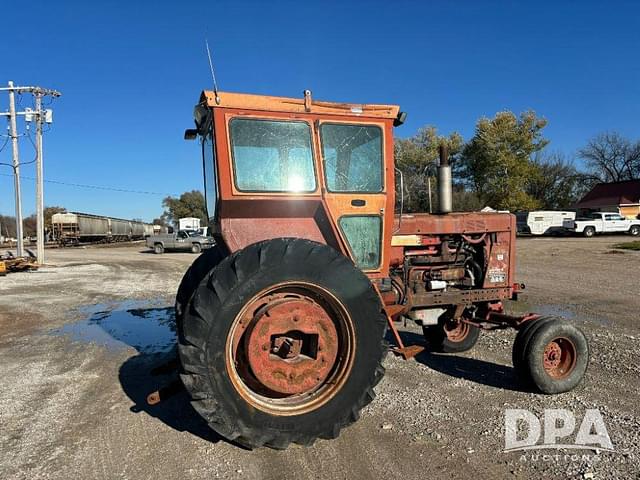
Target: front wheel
196 248
282 342
634 230
552 355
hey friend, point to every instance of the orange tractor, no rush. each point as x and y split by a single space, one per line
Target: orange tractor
281 326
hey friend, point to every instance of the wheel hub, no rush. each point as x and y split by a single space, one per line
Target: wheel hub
559 357
291 344
456 331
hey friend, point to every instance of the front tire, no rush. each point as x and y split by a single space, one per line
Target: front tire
634 230
520 344
196 248
555 357
282 342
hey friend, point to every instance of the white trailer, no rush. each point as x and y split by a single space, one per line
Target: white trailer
544 222
189 223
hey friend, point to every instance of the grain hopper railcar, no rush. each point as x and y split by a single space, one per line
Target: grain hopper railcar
74 228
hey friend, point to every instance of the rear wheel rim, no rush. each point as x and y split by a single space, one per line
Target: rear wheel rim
559 358
290 349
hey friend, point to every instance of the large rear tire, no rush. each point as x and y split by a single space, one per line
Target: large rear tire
199 269
282 342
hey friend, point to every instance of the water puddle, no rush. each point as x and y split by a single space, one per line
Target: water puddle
143 325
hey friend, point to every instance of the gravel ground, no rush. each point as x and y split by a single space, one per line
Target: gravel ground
74 380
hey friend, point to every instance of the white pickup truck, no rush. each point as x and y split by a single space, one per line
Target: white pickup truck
605 222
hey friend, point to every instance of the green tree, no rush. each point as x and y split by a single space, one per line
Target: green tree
189 204
416 157
465 200
496 163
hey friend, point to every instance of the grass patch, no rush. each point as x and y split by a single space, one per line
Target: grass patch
635 245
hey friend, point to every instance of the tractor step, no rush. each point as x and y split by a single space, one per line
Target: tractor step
409 351
393 313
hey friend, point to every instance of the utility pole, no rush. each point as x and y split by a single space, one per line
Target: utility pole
16 166
39 180
41 117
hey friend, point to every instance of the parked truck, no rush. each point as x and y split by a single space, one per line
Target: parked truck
182 240
605 222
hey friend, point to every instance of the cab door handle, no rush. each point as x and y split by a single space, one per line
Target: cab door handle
358 202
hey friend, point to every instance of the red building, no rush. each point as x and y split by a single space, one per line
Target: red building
622 197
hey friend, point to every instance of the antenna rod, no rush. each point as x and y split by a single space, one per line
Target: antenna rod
213 74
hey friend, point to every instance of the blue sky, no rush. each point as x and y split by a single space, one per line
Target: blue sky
130 73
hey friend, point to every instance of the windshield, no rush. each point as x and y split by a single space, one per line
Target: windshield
272 156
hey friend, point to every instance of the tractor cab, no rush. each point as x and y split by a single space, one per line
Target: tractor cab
301 168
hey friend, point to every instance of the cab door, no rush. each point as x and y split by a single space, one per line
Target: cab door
610 224
354 187
621 223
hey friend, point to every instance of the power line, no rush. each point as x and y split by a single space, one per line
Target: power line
97 187
41 117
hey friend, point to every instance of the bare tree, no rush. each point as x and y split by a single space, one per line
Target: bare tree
610 157
556 183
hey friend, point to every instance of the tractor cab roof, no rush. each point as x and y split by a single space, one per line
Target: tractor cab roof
297 105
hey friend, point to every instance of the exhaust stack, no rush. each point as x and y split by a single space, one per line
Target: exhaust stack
445 196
